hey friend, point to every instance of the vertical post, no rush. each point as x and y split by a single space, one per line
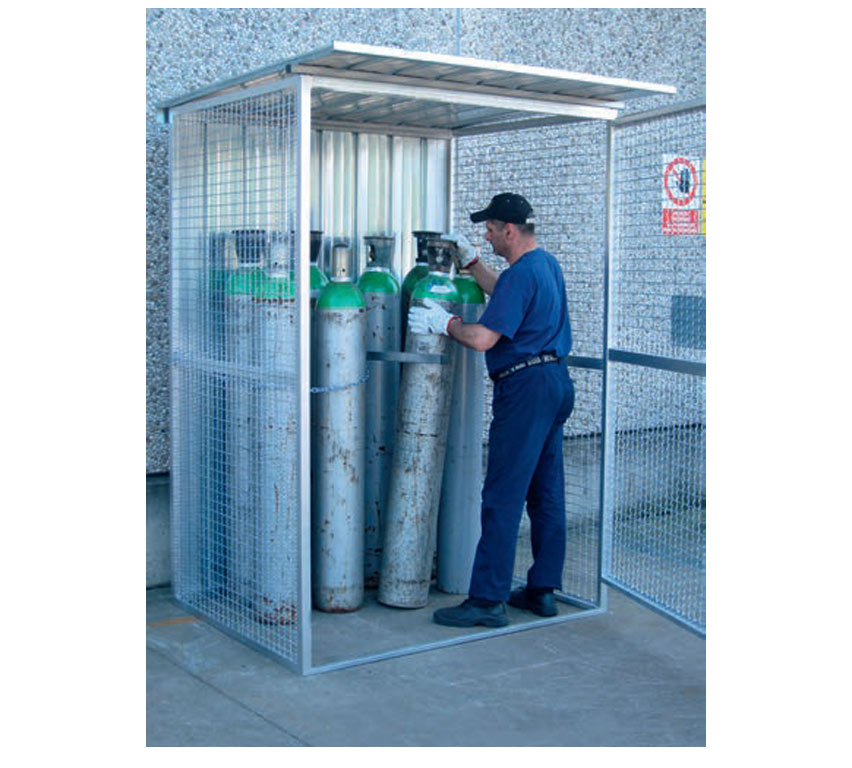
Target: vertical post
316 152
399 258
607 438
303 203
424 173
176 474
357 254
202 349
450 223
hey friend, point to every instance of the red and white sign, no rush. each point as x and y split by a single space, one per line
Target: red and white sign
681 197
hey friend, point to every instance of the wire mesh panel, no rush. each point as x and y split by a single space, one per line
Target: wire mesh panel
561 170
655 487
235 358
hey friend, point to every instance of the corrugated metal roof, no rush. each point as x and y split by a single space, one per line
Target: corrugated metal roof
358 84
459 70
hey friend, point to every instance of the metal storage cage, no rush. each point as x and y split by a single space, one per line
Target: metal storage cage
355 140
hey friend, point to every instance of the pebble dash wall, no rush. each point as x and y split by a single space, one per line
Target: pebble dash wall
189 48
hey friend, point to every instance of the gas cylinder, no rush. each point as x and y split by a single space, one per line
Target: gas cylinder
421 436
338 405
222 263
415 274
275 570
242 356
380 288
461 489
318 282
209 424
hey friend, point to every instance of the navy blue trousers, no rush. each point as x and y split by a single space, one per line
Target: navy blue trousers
524 465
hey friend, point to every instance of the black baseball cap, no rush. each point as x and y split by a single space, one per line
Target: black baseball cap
507 207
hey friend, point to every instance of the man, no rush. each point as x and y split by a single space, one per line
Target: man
525 334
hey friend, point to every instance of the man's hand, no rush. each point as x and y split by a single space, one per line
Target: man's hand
466 254
430 318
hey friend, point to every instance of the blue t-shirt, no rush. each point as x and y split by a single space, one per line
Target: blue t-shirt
528 308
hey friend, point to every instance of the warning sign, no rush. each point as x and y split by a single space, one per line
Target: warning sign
681 195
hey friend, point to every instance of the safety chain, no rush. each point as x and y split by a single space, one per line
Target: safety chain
362 380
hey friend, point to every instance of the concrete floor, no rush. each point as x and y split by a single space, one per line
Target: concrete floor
627 677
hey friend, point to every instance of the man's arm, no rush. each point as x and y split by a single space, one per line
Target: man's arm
484 276
473 335
431 317
467 257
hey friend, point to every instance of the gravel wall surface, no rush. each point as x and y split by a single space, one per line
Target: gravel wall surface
191 48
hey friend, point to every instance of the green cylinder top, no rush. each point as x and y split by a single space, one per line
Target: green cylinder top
469 290
243 282
436 285
219 278
378 281
340 294
276 287
417 273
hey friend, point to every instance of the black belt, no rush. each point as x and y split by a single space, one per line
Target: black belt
545 357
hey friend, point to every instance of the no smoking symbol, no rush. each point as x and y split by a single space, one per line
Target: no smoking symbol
681 181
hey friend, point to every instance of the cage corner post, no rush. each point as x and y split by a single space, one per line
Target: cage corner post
303 197
607 441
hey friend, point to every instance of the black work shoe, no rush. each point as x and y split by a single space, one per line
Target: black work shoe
541 603
471 613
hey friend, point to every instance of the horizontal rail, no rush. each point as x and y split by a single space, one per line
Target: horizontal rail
516 125
266 378
431 646
672 109
406 357
590 363
692 626
447 96
660 363
408 81
383 129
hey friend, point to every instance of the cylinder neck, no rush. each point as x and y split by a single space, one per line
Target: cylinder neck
251 246
440 254
379 250
341 258
422 236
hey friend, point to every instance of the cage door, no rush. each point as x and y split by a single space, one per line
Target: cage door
237 378
654 467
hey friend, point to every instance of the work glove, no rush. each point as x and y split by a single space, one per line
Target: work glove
466 255
430 318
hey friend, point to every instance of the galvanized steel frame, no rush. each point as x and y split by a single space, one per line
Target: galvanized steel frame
482 635
587 609
301 85
303 118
